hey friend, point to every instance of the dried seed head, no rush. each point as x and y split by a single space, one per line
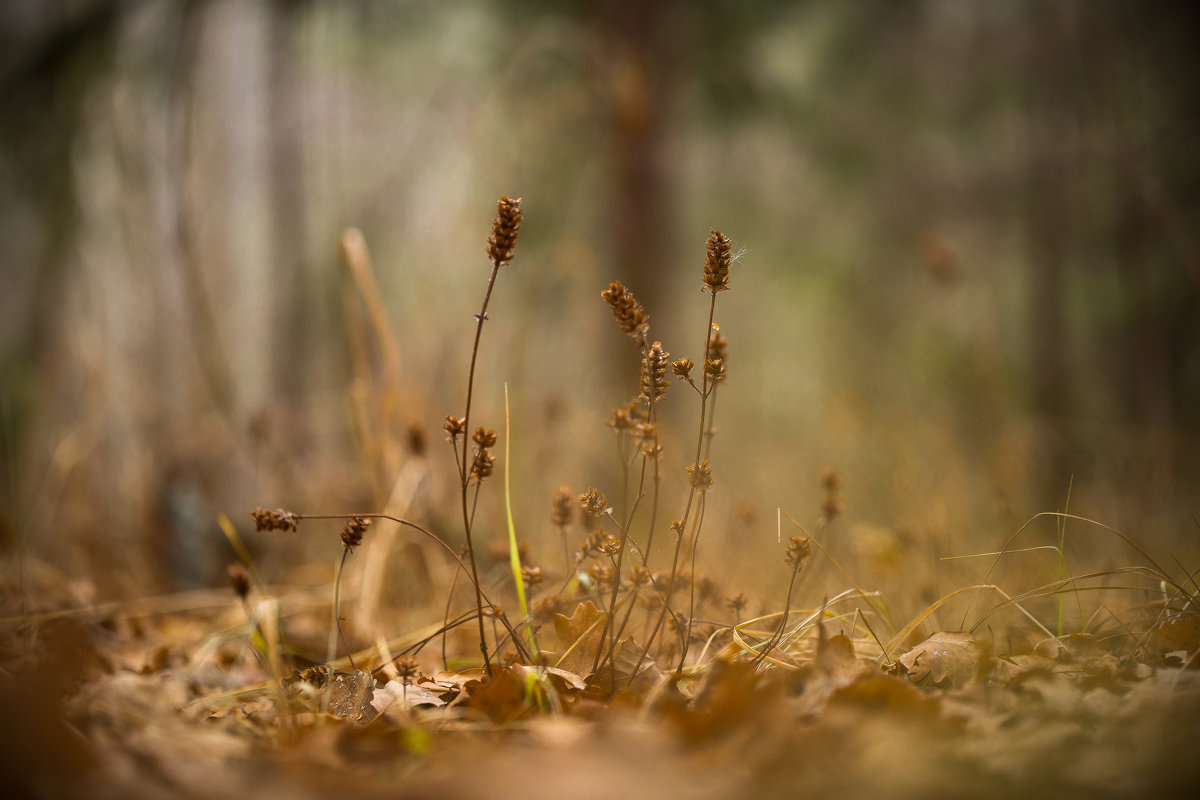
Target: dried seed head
277 520
483 465
718 351
532 576
647 432
707 587
683 367
714 368
639 575
561 510
700 476
833 504
630 314
830 480
454 426
484 437
639 411
609 545
353 530
717 258
620 421
239 578
736 601
798 549
505 229
602 574
654 372
406 669
594 505
315 676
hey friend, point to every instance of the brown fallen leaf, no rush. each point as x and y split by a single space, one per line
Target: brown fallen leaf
944 659
350 695
394 697
1179 636
561 678
503 698
579 638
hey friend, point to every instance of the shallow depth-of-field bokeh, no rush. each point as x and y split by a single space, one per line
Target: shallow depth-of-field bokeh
968 282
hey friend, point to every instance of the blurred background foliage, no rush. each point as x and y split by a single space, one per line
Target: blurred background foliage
971 277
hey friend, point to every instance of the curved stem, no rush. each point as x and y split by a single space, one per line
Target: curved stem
337 616
465 473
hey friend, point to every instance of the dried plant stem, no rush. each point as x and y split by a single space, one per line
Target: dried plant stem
446 615
484 600
708 384
465 472
708 397
787 607
616 583
337 617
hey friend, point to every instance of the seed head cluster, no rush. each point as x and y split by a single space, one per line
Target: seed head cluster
717 259
798 549
561 509
353 530
654 372
484 463
277 520
629 313
505 229
701 476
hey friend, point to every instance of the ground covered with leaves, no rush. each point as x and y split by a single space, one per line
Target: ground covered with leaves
175 698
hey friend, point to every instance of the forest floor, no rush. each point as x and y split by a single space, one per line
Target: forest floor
175 698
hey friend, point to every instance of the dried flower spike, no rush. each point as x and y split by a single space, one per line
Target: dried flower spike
716 261
830 480
594 504
454 426
532 576
630 314
718 350
406 668
701 476
277 520
483 465
601 574
798 549
484 437
353 530
561 510
505 229
654 372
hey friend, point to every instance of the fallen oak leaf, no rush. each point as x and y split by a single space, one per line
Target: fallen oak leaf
945 658
579 638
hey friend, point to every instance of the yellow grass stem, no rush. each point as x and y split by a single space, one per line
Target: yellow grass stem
514 555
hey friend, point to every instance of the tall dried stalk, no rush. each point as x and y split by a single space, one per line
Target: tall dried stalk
501 244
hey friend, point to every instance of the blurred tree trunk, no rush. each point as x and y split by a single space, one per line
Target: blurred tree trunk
638 41
1048 215
291 347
